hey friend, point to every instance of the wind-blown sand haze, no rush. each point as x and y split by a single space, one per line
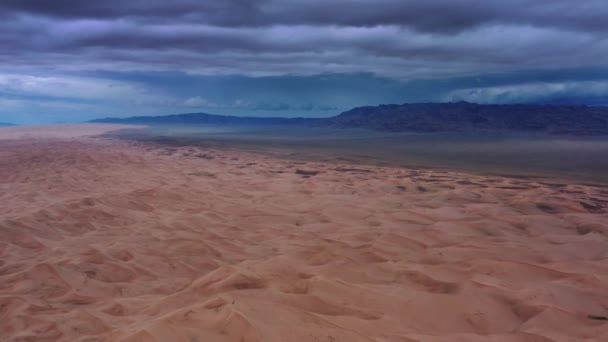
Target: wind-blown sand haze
105 240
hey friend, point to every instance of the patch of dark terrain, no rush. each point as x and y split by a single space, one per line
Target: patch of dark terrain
433 180
202 174
598 200
554 185
574 192
441 178
307 173
514 187
595 185
547 208
444 186
593 209
516 176
247 165
167 151
356 170
479 185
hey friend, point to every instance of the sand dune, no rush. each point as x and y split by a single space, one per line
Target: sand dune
106 240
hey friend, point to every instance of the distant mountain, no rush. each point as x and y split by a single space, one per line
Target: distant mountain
436 117
210 119
422 117
6 124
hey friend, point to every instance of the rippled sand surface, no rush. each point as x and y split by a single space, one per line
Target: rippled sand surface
104 240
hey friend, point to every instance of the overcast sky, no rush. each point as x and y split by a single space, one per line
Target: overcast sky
69 60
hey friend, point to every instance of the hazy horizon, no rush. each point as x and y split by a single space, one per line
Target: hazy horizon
279 114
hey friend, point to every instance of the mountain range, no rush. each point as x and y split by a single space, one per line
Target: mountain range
424 117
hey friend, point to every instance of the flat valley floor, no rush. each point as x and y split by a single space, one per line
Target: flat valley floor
106 240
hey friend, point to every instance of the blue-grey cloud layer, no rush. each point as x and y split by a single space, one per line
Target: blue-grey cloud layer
59 58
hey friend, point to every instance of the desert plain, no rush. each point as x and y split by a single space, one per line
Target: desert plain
116 240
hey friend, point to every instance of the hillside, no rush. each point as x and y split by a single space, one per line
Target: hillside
435 117
421 117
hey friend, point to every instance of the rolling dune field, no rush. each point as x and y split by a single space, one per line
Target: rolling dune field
114 240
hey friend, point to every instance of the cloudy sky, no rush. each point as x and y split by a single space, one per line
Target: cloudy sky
71 60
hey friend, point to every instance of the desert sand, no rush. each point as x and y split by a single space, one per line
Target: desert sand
108 240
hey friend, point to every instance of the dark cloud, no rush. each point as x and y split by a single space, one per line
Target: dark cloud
410 42
424 15
138 9
394 38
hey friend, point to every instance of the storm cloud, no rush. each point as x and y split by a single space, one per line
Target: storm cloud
401 40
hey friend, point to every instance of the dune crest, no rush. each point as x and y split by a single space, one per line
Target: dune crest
105 240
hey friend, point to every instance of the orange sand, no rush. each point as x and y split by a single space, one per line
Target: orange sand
104 240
